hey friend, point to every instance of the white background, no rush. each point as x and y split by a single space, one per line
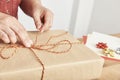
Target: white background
105 17
81 17
62 13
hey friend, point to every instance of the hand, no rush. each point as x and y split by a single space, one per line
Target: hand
43 18
10 29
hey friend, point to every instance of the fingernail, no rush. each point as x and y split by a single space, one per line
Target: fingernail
7 41
29 43
14 40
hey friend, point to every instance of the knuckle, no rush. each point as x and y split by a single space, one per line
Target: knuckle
9 19
6 20
52 13
24 39
11 34
4 38
13 40
3 35
36 21
13 18
48 25
12 37
18 31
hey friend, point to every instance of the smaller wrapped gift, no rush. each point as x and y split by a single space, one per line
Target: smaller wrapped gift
55 55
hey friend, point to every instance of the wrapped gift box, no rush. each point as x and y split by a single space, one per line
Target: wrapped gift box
62 58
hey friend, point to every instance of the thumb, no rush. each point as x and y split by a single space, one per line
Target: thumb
37 22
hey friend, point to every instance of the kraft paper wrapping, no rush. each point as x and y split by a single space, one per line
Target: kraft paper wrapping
79 63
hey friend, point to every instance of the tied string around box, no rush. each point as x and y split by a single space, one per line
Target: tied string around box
44 47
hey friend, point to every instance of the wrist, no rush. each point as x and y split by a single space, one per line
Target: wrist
36 8
31 7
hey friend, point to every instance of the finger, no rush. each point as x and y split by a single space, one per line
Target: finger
37 21
47 23
52 16
22 34
4 37
50 24
11 35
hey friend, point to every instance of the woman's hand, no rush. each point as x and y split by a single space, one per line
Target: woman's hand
43 18
11 29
